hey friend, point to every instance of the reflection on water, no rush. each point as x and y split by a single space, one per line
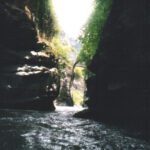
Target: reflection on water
30 130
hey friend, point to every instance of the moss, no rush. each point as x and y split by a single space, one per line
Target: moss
45 18
92 31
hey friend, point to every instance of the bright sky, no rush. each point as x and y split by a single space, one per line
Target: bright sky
72 14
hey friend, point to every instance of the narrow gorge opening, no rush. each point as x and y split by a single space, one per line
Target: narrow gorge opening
72 15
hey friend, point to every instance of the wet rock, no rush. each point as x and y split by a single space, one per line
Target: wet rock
64 97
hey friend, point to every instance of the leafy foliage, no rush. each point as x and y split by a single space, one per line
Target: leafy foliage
62 51
79 72
78 98
91 33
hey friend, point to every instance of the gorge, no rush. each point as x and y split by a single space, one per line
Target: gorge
118 90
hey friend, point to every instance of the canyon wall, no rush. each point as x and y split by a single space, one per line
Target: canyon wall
120 89
28 77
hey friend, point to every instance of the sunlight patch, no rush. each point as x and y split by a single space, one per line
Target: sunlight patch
72 14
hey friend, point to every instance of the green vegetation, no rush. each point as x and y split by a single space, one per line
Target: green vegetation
62 51
78 98
79 72
50 32
46 19
91 32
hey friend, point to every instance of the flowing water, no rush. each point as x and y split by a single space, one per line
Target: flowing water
59 130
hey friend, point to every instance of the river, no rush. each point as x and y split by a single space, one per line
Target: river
59 130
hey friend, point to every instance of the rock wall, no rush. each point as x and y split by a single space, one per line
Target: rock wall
120 90
28 77
64 98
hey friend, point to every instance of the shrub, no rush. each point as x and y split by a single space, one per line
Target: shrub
79 72
91 32
78 97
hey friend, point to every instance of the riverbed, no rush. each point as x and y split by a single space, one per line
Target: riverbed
59 130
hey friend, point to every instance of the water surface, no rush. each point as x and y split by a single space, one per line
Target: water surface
59 130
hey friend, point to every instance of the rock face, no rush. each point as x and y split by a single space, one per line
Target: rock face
64 98
120 89
28 78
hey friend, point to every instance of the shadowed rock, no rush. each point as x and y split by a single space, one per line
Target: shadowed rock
120 91
28 78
